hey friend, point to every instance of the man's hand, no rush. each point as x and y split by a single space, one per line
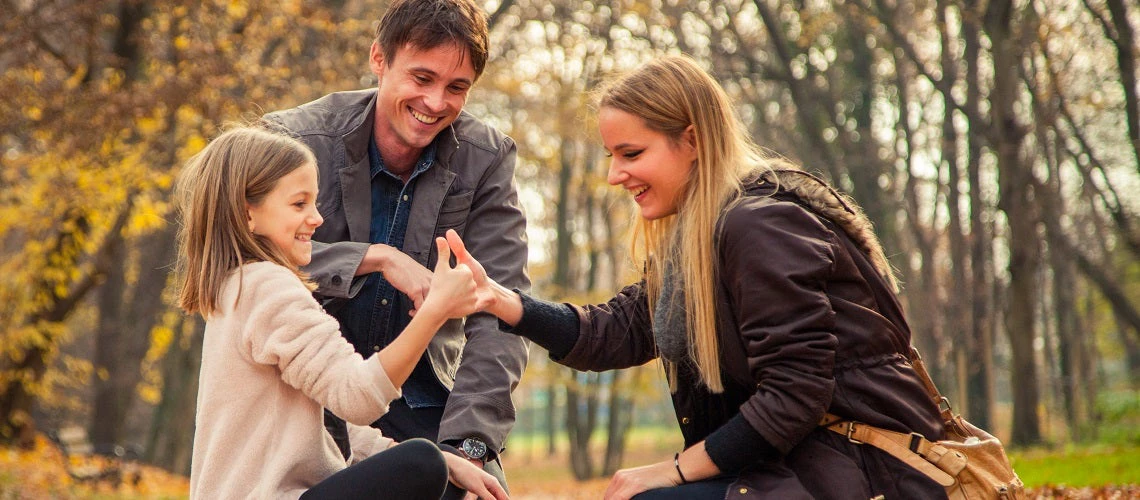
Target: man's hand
629 482
470 477
402 271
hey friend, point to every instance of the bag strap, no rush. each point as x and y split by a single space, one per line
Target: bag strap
941 402
937 462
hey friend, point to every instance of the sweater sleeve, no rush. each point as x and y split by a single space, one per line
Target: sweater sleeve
736 445
551 325
777 259
365 442
287 329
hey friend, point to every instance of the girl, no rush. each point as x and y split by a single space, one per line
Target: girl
766 295
272 359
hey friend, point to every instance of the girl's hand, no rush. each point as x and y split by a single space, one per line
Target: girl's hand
629 482
453 291
484 285
479 484
491 297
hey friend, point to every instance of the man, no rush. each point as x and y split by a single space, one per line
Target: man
400 165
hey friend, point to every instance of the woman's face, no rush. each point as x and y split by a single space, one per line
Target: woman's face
288 214
651 167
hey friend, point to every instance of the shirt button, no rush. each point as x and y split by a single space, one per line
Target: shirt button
384 302
743 491
685 420
375 348
405 197
336 280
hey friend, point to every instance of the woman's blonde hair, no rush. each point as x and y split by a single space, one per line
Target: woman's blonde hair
671 94
238 168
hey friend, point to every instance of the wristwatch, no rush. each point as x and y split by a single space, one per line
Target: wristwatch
474 448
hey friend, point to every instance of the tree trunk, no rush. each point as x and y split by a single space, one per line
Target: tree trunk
864 168
927 334
955 328
618 423
551 416
171 439
1015 179
581 419
1126 62
1128 336
1064 304
127 317
979 386
564 240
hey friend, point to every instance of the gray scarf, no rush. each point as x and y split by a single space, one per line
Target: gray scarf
669 319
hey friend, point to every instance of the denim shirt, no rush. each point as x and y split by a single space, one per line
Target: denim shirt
379 312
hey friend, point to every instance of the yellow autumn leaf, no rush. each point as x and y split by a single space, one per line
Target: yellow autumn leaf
237 9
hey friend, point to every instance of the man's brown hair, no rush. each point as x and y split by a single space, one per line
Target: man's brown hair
427 24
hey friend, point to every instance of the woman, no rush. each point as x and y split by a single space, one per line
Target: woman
766 295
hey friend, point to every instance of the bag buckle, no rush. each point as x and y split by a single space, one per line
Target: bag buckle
944 405
851 432
915 444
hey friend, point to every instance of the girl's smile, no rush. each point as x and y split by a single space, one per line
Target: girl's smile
288 215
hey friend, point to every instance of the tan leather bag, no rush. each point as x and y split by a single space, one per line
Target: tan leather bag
970 463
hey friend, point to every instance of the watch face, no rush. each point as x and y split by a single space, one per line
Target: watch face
474 448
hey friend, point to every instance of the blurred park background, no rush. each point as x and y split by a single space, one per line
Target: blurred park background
995 144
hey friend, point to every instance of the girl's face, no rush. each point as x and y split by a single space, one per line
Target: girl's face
288 214
650 166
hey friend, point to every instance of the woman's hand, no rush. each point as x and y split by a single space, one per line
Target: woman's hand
453 290
629 482
483 284
478 484
491 296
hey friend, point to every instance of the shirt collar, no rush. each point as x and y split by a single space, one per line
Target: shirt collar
426 160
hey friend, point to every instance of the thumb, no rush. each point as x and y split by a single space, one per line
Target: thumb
456 243
443 260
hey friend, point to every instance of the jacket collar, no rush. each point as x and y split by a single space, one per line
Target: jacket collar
356 139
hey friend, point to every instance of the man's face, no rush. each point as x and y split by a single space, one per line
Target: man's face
421 91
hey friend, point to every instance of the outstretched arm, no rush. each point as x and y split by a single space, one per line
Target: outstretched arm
591 337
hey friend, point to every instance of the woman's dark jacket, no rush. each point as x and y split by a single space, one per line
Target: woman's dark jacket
806 326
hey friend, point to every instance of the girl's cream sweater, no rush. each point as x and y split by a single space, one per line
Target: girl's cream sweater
271 361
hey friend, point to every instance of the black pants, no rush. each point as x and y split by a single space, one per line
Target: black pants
712 488
403 422
412 469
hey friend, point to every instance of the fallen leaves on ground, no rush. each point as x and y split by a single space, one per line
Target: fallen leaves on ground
43 472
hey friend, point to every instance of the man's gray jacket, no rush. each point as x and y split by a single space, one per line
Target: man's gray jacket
470 188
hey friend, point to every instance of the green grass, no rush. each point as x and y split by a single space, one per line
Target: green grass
1094 465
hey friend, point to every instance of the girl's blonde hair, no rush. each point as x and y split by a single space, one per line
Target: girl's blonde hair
237 169
671 94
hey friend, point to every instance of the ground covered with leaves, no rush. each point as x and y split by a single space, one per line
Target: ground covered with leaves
45 472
